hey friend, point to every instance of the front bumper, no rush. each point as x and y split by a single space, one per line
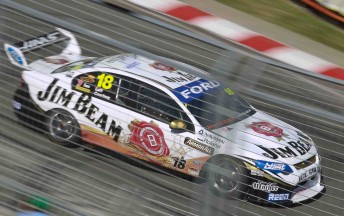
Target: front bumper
266 191
308 189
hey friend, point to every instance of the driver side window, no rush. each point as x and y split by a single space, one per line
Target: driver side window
152 102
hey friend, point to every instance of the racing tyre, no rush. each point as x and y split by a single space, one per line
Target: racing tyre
231 185
63 128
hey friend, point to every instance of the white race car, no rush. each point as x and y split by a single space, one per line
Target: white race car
148 110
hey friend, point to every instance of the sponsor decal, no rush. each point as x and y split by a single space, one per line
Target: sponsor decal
195 89
81 86
98 92
77 67
40 41
257 173
184 77
149 137
197 162
199 146
301 147
162 67
295 149
88 79
132 65
15 56
268 129
229 91
16 105
193 171
273 167
265 186
309 173
212 136
122 57
278 197
83 105
210 142
100 85
55 60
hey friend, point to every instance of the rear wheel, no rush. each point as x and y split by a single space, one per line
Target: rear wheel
227 177
63 128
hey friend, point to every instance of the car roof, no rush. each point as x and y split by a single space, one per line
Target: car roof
148 68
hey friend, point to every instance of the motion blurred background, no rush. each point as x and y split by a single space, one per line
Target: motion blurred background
37 173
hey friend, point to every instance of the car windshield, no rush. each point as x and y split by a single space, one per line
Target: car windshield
219 107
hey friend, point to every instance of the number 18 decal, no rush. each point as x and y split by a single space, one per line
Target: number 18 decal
105 81
180 163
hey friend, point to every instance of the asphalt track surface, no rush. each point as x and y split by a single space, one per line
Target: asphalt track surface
87 182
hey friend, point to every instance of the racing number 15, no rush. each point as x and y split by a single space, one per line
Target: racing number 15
105 81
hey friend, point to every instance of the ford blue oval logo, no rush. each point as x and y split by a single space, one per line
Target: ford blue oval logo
15 56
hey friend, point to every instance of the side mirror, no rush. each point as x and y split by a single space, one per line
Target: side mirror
178 125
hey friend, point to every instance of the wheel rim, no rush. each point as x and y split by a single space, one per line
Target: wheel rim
62 127
227 183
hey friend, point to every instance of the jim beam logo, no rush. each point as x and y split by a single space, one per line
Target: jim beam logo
84 106
265 186
268 129
199 146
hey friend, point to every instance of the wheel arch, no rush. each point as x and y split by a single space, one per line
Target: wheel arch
78 136
215 157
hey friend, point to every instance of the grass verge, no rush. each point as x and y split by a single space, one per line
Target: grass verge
291 16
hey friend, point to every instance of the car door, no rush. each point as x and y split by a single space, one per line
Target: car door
101 115
152 111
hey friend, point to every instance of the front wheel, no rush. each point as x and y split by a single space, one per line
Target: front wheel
63 128
227 177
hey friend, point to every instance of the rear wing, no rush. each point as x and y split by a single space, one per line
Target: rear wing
16 52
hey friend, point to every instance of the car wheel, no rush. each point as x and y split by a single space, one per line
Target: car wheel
63 128
227 177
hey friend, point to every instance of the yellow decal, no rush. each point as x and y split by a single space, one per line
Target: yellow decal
77 67
229 91
82 89
267 176
105 81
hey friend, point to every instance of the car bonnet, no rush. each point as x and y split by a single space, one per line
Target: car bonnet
264 135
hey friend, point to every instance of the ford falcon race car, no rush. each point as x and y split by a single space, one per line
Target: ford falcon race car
148 110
